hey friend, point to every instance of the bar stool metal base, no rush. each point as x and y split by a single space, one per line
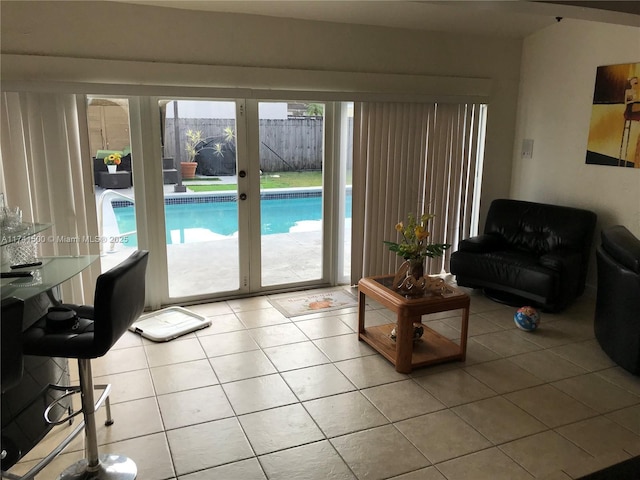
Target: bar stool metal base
112 467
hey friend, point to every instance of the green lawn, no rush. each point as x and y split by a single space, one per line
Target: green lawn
267 180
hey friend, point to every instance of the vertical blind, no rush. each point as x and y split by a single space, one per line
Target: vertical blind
41 171
413 158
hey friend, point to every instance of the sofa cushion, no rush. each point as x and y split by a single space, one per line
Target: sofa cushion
100 154
540 228
508 270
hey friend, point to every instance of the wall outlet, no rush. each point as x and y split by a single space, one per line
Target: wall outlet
527 148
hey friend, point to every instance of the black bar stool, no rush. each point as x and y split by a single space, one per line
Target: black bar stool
118 302
12 363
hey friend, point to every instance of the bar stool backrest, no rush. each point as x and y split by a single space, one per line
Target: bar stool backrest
118 301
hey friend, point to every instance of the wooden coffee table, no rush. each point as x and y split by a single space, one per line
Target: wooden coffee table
404 353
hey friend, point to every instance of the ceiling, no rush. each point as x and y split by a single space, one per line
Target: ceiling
514 18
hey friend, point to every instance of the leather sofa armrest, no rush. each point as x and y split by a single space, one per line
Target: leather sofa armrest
482 244
568 264
622 246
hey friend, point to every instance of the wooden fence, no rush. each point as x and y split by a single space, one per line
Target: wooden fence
293 144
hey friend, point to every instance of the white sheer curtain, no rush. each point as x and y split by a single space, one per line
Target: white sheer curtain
45 171
412 158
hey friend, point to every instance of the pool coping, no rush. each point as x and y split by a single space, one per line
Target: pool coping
229 196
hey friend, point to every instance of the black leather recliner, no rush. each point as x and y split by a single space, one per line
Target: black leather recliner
529 254
617 318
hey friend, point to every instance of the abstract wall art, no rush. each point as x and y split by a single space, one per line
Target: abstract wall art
614 131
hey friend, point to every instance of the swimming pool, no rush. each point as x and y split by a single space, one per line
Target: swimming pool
189 221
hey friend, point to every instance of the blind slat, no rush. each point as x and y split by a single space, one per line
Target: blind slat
418 158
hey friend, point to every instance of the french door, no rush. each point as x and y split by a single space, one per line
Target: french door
252 218
203 210
262 211
289 152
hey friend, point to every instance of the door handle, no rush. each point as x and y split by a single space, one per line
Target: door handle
242 174
243 196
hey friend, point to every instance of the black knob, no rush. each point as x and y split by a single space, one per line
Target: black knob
243 196
242 174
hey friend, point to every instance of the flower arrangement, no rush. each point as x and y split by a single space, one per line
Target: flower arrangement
113 159
414 245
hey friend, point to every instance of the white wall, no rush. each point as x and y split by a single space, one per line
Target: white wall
114 31
556 93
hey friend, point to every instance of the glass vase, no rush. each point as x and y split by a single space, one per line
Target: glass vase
416 268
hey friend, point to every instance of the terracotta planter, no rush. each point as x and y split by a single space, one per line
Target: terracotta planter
188 169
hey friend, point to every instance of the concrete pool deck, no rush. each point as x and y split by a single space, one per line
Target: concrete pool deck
211 265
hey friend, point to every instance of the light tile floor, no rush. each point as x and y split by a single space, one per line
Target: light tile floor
258 395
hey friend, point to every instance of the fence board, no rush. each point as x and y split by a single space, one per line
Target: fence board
292 144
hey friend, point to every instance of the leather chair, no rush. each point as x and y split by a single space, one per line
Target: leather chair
118 301
529 254
617 316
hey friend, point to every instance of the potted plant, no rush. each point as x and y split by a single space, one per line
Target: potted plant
414 246
112 161
188 168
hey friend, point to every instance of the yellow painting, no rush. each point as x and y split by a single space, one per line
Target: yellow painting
614 132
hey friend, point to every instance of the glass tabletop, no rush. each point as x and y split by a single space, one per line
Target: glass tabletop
22 231
444 290
52 272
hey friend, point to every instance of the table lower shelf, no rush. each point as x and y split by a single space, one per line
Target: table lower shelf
430 349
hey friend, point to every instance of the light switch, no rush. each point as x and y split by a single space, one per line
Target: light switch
527 148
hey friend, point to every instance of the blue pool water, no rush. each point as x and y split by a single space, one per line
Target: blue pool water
221 218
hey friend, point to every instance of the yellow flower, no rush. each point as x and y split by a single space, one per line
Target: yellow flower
421 233
112 159
413 244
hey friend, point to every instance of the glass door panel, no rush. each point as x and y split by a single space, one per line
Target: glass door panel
109 143
201 206
291 138
345 168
